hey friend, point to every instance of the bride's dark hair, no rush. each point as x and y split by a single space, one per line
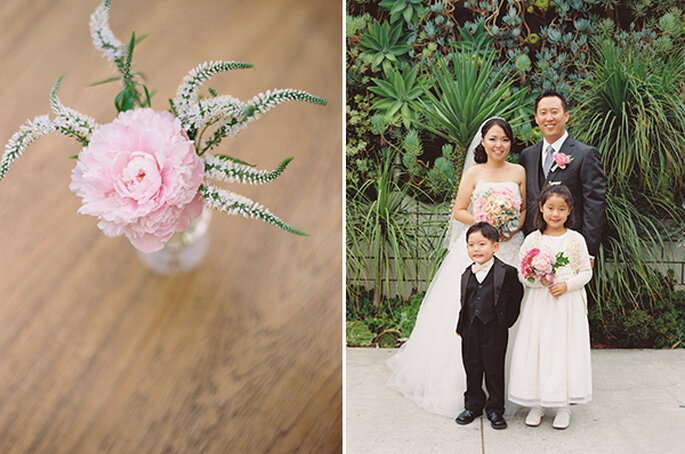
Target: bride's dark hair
479 154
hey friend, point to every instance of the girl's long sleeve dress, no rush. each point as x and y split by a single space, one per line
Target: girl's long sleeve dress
550 364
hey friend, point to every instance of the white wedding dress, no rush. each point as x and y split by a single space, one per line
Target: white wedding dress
428 368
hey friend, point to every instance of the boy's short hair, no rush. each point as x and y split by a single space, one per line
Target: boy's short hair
485 229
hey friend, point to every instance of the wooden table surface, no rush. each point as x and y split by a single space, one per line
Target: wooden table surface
242 355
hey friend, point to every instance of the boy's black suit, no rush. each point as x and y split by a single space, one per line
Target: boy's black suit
488 310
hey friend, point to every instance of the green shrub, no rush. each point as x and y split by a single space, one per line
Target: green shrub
616 323
358 334
380 246
632 109
408 313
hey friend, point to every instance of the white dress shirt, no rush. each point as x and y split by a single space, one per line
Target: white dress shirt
556 145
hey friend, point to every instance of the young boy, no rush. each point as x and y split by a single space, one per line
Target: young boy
490 302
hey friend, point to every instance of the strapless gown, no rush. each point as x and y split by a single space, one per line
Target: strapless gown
428 368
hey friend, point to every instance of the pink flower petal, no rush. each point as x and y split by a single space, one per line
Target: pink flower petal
140 176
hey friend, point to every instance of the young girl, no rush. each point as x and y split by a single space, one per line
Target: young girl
550 364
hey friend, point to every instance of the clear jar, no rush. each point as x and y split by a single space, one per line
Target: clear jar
184 251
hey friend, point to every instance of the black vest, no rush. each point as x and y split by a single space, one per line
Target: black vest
480 298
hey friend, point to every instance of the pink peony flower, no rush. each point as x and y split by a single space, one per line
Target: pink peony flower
140 177
539 263
543 262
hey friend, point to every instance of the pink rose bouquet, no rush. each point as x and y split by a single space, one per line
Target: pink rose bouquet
499 207
541 262
146 174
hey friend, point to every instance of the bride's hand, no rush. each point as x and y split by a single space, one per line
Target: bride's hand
504 237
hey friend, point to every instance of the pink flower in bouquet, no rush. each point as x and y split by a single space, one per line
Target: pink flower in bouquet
543 262
140 176
539 263
499 207
526 267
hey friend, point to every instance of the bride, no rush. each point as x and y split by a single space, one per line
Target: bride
428 367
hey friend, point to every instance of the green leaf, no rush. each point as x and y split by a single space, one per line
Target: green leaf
397 8
141 37
407 14
147 98
231 158
106 81
124 101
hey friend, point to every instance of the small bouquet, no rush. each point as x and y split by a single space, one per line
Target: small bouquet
500 208
541 263
147 174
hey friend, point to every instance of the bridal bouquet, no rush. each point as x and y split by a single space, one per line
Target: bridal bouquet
499 207
147 173
541 262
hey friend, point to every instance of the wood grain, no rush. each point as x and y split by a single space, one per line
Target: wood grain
98 354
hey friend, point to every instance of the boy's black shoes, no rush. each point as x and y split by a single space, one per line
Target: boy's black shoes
496 420
467 417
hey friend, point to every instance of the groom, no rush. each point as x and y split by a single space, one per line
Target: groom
583 174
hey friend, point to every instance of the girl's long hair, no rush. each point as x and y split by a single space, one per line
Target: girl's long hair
559 190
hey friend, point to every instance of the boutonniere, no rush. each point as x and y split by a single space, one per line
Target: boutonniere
561 160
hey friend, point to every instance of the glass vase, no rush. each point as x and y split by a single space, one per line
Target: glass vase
184 251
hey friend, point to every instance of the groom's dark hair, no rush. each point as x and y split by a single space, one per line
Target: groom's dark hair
549 93
485 229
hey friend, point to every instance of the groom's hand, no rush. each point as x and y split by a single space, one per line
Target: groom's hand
592 263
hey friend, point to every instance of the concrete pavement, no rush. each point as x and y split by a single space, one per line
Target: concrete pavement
638 407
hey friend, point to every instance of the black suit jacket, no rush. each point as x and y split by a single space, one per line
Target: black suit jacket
584 176
508 295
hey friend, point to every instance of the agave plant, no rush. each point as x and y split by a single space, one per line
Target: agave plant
632 109
409 10
215 116
479 42
397 93
382 44
467 93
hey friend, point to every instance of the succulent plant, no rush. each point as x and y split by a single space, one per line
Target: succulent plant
382 44
409 10
396 93
358 334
